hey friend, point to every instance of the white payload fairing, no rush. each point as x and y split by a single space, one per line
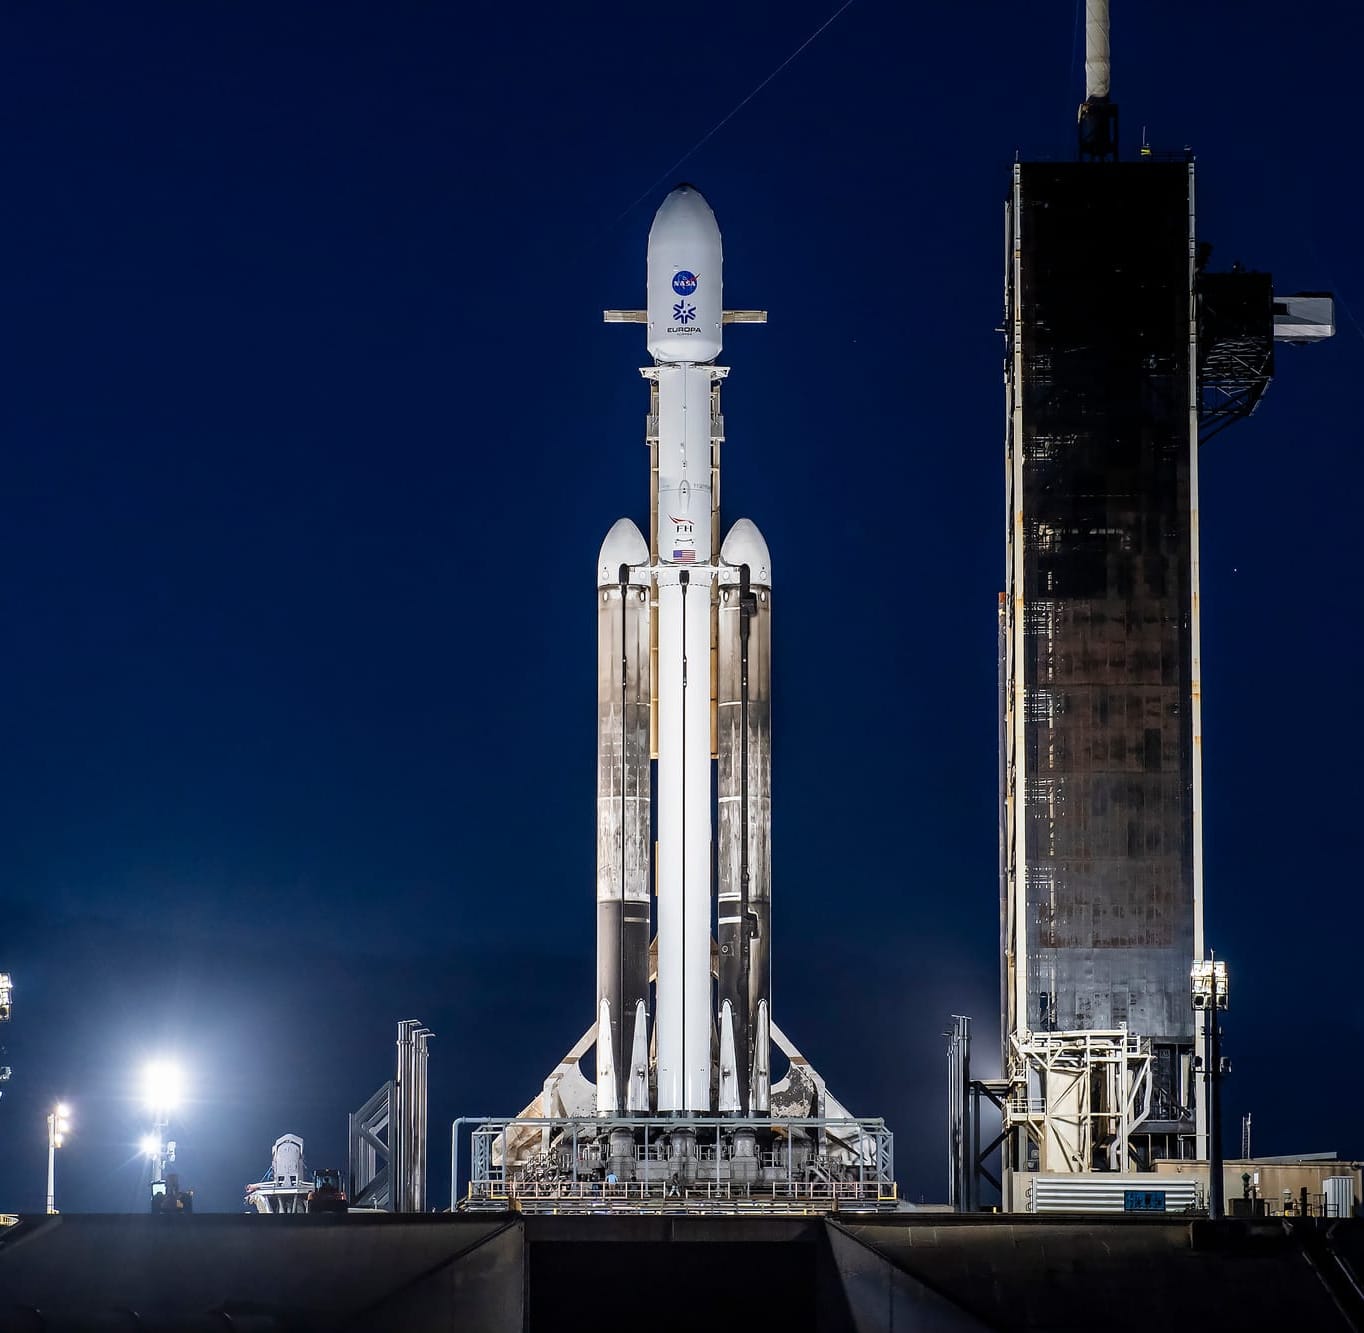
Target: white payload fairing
682 639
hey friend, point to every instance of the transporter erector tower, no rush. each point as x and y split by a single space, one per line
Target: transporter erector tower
683 1112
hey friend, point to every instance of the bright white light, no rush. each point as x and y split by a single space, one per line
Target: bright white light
151 1145
63 1110
1208 984
63 1126
161 1085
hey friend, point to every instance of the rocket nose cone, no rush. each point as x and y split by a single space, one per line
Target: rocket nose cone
745 545
685 206
624 545
685 285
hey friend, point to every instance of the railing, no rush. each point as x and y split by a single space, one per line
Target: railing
631 1196
793 1164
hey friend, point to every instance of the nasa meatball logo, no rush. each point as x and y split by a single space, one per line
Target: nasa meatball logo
684 283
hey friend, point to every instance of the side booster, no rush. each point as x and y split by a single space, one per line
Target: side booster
683 678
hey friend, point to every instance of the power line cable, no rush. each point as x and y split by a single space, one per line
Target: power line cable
721 123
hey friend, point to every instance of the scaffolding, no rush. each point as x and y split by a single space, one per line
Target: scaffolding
1079 1099
388 1133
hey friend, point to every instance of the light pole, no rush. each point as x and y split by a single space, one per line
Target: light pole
161 1084
1209 992
153 1149
58 1126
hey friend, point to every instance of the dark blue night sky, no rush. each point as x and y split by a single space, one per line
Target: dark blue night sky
312 431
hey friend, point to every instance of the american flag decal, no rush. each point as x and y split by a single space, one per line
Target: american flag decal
685 557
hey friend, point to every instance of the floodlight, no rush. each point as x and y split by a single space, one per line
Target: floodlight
151 1145
58 1124
161 1085
1208 984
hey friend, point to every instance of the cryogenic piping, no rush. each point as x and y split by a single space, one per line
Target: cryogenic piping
1097 67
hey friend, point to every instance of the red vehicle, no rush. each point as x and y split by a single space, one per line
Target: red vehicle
327 1194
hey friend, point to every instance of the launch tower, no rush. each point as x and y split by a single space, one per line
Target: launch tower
1123 352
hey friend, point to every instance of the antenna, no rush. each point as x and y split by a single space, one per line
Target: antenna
1098 116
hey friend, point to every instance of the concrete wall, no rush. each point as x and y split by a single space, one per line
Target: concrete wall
956 1274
